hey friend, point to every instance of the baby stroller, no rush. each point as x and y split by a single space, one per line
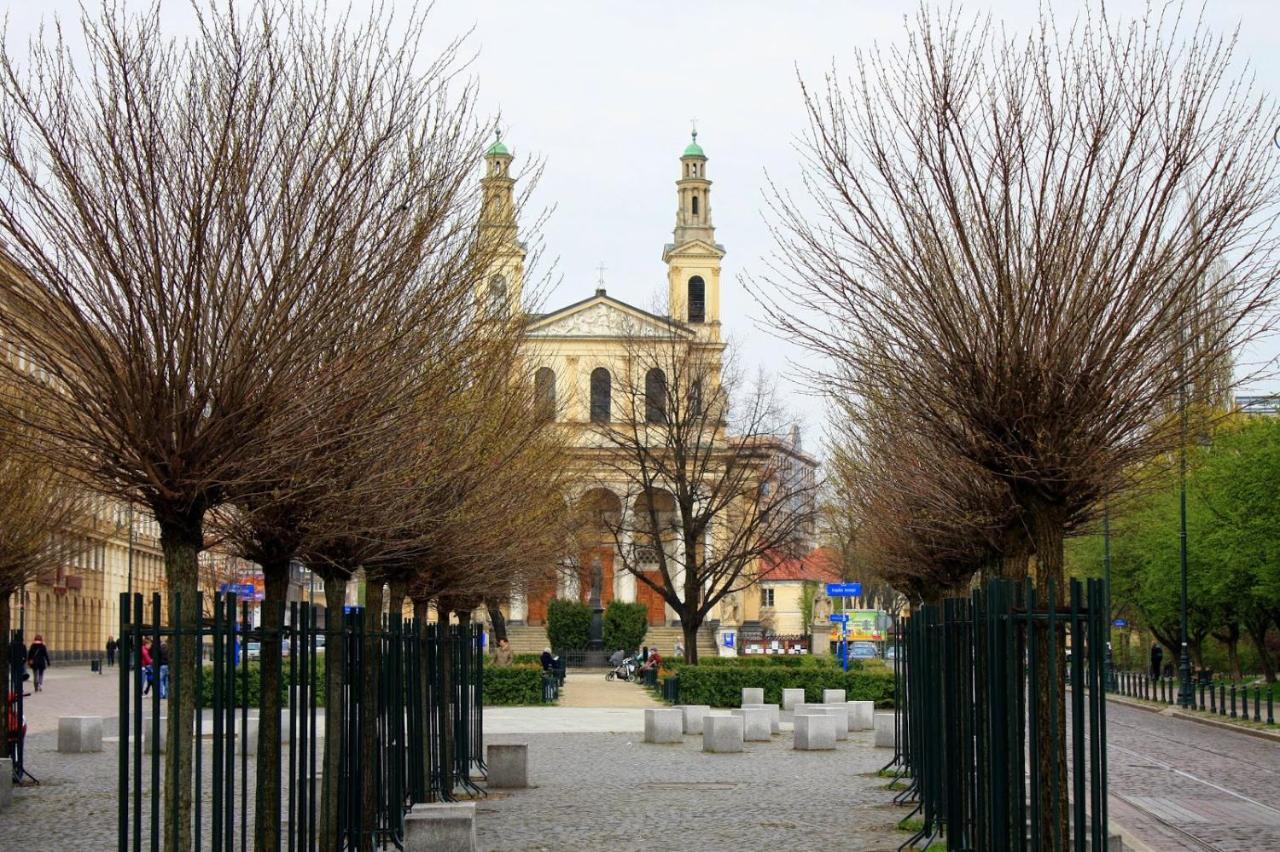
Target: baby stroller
626 670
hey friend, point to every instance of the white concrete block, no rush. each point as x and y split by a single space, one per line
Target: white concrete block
884 728
247 736
755 723
833 696
693 715
147 744
508 764
840 712
722 734
861 715
815 732
751 695
441 827
775 716
792 697
79 734
663 725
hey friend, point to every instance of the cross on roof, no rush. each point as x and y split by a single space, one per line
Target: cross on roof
601 268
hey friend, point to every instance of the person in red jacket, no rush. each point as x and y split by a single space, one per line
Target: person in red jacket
147 672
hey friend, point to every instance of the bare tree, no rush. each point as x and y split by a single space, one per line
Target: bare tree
696 449
1008 240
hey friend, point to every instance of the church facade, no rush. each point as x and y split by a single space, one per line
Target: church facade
581 363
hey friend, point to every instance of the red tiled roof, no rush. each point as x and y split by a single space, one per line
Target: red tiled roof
818 565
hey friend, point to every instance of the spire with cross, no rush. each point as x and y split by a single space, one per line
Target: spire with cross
600 279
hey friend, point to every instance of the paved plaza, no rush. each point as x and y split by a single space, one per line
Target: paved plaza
1175 784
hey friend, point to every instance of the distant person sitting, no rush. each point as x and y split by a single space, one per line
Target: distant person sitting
546 659
654 661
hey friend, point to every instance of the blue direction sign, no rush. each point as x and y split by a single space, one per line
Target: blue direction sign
244 590
844 590
1120 622
839 617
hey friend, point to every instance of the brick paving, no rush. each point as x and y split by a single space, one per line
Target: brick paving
1174 784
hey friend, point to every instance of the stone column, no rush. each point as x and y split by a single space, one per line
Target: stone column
517 610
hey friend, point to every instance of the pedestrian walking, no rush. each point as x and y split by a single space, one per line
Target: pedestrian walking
162 662
38 660
147 673
1157 654
112 644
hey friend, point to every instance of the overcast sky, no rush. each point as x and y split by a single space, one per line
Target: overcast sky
605 92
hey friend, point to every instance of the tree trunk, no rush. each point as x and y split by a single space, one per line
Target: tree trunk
335 652
371 670
266 822
690 629
1047 536
182 543
496 622
420 606
445 703
1258 633
1230 638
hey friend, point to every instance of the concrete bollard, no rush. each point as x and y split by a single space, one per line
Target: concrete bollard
775 716
440 827
755 723
861 715
6 777
147 745
247 737
884 729
752 696
663 725
693 715
508 765
833 696
838 711
722 734
79 734
792 697
815 732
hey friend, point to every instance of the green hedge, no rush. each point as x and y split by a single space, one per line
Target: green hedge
508 685
254 684
722 685
568 625
625 625
525 659
790 661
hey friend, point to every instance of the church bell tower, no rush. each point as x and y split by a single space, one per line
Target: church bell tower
693 259
499 290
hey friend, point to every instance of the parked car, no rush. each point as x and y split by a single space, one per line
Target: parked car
253 650
863 651
891 652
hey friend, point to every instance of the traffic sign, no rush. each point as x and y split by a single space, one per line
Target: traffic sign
844 590
243 590
1120 622
839 617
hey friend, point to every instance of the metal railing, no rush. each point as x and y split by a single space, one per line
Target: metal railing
372 722
998 754
1219 696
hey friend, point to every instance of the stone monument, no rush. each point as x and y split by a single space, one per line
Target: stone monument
596 657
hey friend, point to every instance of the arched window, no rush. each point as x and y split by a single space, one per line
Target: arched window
498 296
697 299
695 205
544 391
601 393
695 399
655 396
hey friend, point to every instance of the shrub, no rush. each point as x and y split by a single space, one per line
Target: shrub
625 625
249 677
722 685
568 625
508 685
525 659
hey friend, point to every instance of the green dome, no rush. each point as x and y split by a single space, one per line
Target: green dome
693 149
497 149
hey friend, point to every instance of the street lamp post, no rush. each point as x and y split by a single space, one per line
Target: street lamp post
1184 657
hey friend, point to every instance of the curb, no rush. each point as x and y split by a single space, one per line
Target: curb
1175 713
1127 837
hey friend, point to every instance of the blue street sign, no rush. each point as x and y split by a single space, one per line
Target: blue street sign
1120 622
728 640
243 590
844 590
839 617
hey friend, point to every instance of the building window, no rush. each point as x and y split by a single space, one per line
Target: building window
601 392
544 391
697 299
695 399
655 396
498 296
766 597
695 205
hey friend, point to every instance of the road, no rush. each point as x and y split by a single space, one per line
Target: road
1178 784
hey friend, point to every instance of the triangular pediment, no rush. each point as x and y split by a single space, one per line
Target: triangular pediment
602 316
693 248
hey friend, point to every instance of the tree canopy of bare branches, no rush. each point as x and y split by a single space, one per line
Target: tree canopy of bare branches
695 445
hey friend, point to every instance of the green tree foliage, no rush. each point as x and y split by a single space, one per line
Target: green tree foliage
625 625
568 625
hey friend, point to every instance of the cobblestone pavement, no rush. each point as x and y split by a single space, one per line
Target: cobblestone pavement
1178 784
613 791
70 689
